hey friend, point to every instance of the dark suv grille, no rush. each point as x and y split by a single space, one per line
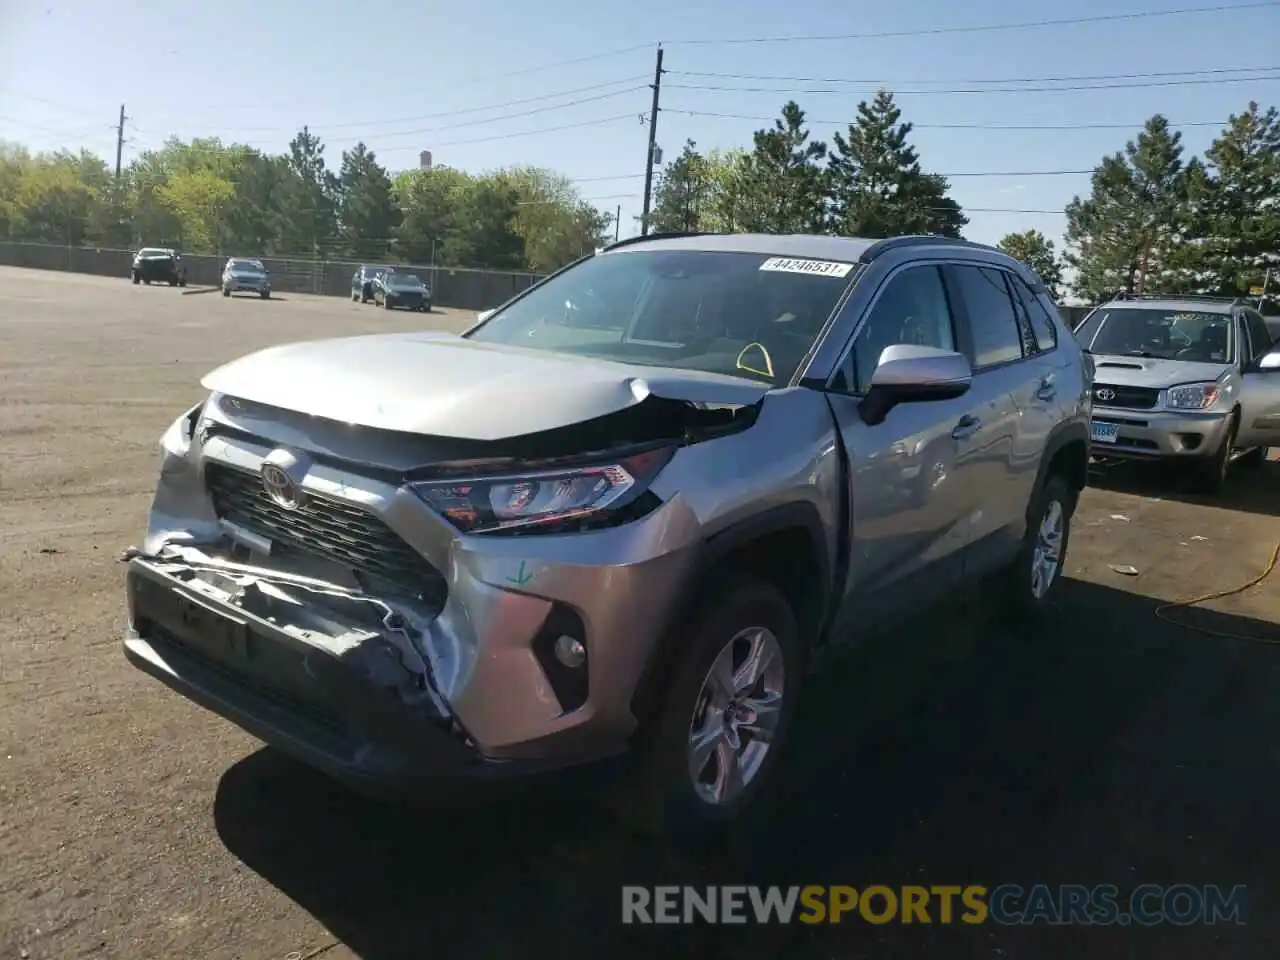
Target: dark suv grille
326 528
1132 398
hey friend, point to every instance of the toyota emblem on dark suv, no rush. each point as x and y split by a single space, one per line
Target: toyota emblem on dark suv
1104 394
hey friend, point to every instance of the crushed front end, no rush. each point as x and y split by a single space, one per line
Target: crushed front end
294 583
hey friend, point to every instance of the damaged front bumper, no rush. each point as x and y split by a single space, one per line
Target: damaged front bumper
326 676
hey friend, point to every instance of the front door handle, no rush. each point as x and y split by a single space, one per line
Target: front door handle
966 427
1046 390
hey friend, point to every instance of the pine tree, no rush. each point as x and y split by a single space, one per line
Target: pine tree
681 193
878 188
783 188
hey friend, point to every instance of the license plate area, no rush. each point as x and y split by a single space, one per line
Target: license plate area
1106 432
208 631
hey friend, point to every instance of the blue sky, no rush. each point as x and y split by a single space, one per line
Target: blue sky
406 76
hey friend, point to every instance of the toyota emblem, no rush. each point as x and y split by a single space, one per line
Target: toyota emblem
1104 394
280 487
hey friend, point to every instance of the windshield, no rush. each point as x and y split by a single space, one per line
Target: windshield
404 280
246 266
1164 334
742 314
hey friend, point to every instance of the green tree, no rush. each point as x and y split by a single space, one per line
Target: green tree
1036 250
556 224
430 201
311 219
197 201
783 188
1127 234
367 212
877 186
485 233
682 193
1235 206
255 218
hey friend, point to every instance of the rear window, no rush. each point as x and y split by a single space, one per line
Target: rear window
1175 334
743 314
152 252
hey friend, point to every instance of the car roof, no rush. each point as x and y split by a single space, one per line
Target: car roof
1186 304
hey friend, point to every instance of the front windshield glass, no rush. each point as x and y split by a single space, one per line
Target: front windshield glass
743 314
1163 334
246 266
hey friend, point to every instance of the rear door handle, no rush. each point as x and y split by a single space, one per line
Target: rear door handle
1046 391
966 427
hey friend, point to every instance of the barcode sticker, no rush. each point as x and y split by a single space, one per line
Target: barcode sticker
817 268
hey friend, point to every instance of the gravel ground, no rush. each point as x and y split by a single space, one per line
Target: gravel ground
1111 747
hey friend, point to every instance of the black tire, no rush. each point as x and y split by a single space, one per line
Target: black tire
1018 591
660 797
1210 473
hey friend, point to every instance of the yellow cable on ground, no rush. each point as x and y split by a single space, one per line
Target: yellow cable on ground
1160 610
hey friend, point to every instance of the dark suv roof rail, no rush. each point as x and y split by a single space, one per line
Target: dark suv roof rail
1209 298
894 243
669 235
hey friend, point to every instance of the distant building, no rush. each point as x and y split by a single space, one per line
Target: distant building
424 160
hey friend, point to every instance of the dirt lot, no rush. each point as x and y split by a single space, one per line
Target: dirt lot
1111 748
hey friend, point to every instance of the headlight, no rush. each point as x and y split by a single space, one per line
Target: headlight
1193 396
546 500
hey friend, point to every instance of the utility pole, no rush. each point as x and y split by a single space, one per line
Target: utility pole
653 140
119 142
617 223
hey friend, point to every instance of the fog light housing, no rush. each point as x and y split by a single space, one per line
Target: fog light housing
570 651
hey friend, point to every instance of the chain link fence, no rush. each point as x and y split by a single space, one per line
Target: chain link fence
459 287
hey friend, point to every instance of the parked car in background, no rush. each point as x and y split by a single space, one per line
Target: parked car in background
362 281
392 290
1191 381
555 539
159 265
246 275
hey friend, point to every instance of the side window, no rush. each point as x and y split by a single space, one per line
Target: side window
1247 350
912 308
1259 333
997 337
1026 335
1046 333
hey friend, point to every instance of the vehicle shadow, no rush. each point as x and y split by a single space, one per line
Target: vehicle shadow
1247 489
1108 747
196 291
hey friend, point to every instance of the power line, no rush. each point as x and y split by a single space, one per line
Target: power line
492 106
989 27
989 80
1209 81
956 126
560 63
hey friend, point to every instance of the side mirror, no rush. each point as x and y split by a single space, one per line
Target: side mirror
1269 362
912 374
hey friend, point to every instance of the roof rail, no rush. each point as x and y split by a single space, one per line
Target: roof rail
668 235
1210 298
894 243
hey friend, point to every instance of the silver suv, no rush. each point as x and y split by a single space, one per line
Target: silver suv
1190 380
625 511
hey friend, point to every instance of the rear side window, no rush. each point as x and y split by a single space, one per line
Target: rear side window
1042 326
997 335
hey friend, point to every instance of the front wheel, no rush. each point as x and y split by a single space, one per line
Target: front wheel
1208 475
710 754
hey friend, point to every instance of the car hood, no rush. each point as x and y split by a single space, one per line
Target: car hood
439 384
1156 374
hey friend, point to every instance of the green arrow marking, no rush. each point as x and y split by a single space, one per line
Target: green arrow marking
521 578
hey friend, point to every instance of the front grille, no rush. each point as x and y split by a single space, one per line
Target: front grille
1130 398
322 527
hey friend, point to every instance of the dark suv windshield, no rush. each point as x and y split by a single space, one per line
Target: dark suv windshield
743 314
1165 334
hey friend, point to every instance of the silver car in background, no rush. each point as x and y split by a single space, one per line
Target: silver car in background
246 276
1193 381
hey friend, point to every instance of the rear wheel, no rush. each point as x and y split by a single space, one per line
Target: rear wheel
1032 581
711 753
